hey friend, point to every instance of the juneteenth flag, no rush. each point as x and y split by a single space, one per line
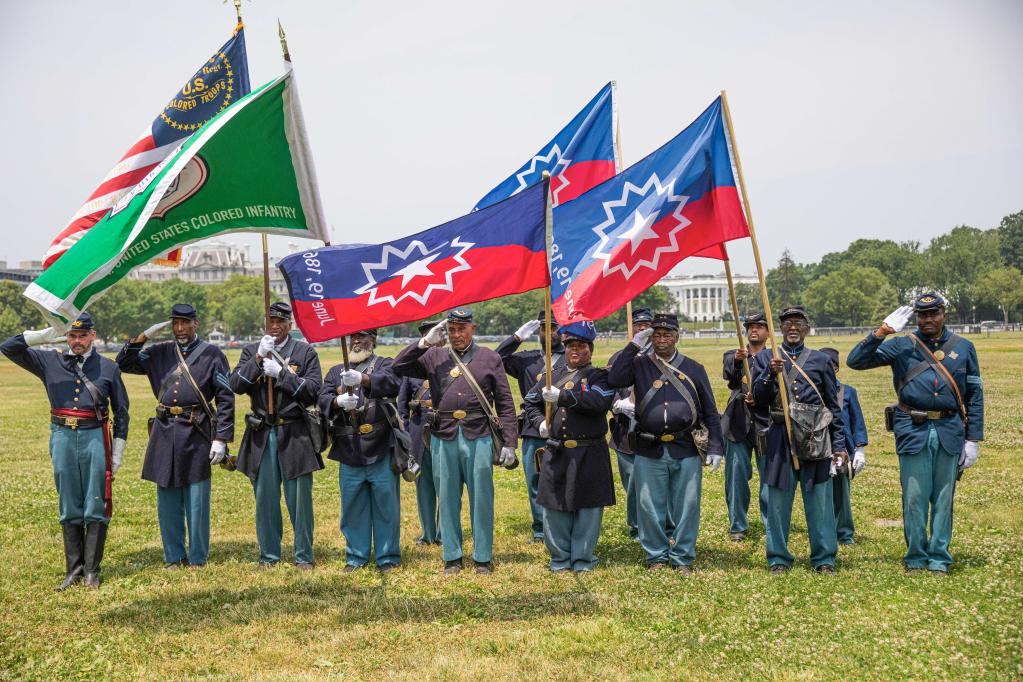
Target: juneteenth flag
493 252
248 169
581 155
222 80
622 236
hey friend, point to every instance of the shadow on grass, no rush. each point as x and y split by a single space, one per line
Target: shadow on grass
340 602
220 552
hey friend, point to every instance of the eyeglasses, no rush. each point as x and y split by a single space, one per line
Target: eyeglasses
793 324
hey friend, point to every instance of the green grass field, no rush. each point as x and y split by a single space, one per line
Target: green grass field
731 620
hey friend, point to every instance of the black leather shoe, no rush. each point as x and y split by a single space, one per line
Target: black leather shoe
683 569
825 569
265 564
350 568
74 555
657 566
484 567
453 567
387 568
779 568
177 565
737 537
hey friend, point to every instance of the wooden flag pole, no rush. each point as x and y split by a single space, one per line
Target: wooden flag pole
548 313
618 165
266 308
760 275
747 377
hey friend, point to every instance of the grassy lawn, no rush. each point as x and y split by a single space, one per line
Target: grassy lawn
730 620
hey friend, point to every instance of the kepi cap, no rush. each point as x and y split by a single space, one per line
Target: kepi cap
82 323
185 311
666 321
931 300
460 316
280 309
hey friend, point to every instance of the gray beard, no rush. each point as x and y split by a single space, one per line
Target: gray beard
357 356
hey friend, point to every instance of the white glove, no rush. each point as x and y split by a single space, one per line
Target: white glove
116 455
859 461
347 401
218 451
834 469
507 457
351 377
41 336
642 338
714 461
528 329
898 319
971 450
266 345
551 394
272 368
624 406
544 429
436 336
155 329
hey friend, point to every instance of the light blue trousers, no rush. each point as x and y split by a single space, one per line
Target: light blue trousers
370 513
469 463
529 446
426 499
738 474
818 505
843 510
79 461
571 537
668 493
177 507
928 485
626 463
298 497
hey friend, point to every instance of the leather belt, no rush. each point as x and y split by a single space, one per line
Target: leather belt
458 414
930 414
571 443
75 422
362 429
164 411
665 437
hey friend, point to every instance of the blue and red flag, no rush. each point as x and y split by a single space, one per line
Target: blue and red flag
581 156
493 252
621 237
221 80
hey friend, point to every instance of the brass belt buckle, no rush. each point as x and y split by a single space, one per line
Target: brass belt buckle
176 410
667 437
71 422
365 428
459 414
425 403
570 444
934 414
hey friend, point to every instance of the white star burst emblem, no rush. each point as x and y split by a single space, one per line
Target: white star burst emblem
417 262
550 162
638 224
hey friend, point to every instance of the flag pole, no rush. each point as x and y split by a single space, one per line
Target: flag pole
548 313
746 376
266 308
618 152
760 275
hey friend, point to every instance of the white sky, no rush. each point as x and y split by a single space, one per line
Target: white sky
867 119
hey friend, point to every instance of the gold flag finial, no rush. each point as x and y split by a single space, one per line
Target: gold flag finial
284 41
237 13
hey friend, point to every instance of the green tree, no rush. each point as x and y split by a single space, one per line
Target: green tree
127 308
657 298
1002 287
955 261
901 263
1011 235
244 316
852 295
747 297
785 283
235 291
177 290
17 313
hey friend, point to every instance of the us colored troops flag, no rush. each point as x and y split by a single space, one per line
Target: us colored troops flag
622 236
496 251
248 169
220 81
582 155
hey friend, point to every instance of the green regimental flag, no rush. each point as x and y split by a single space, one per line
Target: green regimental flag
248 169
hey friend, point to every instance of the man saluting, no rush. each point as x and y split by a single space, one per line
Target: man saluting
80 385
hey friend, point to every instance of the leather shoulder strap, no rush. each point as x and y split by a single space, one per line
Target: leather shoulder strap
183 365
941 370
93 390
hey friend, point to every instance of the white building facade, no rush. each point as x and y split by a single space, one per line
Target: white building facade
703 298
213 262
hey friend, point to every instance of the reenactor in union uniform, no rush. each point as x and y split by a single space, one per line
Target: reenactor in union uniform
575 470
84 389
675 399
462 432
277 449
527 367
187 436
938 421
855 437
810 380
414 405
355 401
622 421
740 431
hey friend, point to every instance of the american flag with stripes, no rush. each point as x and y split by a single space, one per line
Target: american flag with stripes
222 80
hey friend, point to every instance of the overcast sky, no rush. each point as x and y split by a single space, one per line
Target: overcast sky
866 119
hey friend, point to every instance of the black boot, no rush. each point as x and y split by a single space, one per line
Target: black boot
74 552
95 538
